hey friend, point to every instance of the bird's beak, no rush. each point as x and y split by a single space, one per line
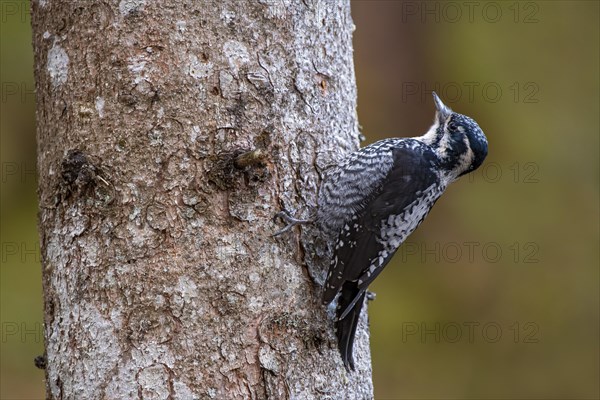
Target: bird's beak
443 111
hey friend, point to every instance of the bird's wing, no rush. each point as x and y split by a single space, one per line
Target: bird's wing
363 247
348 188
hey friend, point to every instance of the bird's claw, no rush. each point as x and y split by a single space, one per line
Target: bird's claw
291 222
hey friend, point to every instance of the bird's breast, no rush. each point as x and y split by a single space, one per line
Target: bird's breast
396 227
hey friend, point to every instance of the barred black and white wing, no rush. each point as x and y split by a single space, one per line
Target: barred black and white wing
387 214
349 187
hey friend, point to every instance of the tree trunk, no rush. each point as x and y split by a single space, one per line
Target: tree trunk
169 134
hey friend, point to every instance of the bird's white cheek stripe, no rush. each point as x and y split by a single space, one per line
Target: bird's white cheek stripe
467 158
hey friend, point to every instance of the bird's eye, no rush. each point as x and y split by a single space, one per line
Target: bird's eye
452 127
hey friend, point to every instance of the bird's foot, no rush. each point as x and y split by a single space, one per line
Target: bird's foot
291 222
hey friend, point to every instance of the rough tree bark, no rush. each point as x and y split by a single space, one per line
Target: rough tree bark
169 134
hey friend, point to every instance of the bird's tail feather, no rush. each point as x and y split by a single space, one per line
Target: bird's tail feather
346 326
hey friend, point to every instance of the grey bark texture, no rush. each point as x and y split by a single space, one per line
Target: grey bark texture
169 134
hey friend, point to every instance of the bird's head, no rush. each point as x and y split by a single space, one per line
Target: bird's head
457 139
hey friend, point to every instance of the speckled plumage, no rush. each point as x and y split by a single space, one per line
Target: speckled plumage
379 195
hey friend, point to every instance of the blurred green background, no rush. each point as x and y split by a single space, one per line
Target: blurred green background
496 296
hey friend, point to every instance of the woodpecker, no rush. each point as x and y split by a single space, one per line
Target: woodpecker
377 196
